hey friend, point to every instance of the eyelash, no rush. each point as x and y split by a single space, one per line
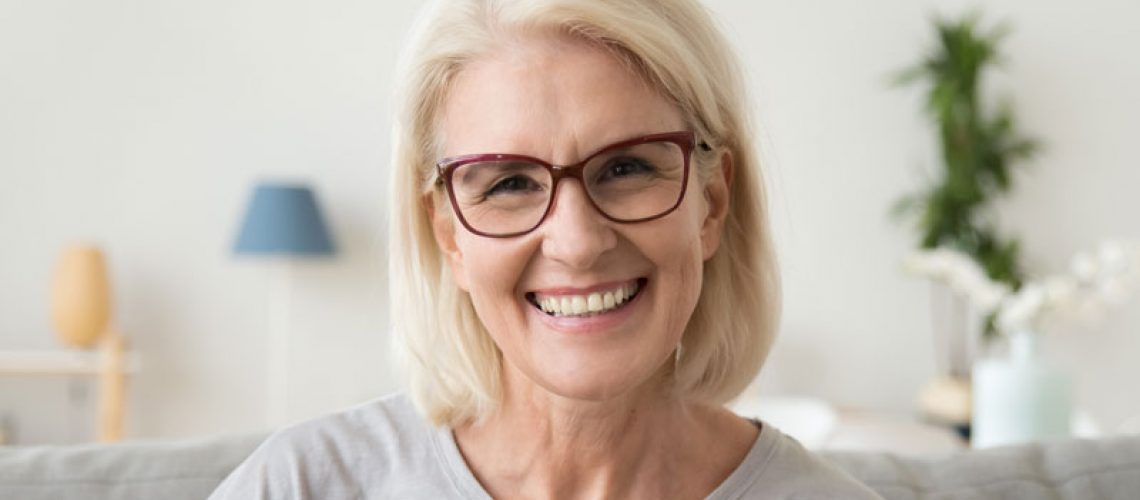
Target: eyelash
496 186
640 164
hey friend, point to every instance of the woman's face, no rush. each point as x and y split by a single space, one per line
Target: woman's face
560 100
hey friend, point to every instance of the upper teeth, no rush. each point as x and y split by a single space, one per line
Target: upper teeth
577 305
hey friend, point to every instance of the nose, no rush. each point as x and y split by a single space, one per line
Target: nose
574 232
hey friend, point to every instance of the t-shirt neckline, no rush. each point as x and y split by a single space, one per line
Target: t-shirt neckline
740 480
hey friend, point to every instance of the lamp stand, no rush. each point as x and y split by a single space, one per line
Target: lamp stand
279 355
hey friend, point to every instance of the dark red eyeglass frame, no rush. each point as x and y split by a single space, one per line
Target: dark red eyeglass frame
446 167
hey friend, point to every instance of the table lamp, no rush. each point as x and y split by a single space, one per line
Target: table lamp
282 221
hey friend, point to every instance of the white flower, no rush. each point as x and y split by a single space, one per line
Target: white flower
940 263
1096 280
1020 311
961 274
988 296
1060 292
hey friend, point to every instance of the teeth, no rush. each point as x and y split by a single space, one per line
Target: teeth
579 304
583 305
594 302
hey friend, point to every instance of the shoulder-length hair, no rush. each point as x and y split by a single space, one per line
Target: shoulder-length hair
452 366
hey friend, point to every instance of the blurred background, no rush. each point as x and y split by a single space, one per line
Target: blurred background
143 127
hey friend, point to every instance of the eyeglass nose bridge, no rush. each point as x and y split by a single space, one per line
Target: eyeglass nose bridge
574 171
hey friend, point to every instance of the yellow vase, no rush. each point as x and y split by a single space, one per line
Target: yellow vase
81 297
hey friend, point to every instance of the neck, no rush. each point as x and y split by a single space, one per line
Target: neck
642 444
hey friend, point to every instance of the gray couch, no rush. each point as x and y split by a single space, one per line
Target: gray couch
1076 469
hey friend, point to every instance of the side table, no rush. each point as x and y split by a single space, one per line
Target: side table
110 364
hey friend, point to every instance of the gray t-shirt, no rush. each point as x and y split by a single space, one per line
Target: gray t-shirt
385 449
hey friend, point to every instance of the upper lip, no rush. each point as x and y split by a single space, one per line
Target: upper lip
570 290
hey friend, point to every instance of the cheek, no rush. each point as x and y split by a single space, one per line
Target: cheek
680 257
492 269
689 244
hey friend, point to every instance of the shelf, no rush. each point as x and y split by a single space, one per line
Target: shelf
60 362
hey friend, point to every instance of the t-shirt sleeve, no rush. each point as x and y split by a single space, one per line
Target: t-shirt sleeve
290 465
804 475
249 480
379 449
272 471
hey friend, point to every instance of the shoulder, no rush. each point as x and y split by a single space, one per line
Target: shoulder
341 455
379 430
385 423
786 469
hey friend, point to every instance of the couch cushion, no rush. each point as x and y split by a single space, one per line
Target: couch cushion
139 470
1071 469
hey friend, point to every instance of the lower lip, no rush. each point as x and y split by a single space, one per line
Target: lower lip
598 323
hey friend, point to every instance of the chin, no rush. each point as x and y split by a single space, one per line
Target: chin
597 383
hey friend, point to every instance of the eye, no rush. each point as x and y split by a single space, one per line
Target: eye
627 167
513 185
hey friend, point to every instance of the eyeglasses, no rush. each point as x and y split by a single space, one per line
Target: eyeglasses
504 195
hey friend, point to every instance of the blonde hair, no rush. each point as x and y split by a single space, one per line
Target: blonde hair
452 365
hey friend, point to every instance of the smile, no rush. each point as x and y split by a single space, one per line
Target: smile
588 304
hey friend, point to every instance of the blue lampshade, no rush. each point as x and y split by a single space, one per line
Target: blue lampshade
283 219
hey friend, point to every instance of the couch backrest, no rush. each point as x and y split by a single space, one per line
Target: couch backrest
1076 469
141 470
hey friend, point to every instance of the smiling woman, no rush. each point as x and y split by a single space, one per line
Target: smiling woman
575 77
581 272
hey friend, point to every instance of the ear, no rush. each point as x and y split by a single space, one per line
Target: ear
717 199
443 227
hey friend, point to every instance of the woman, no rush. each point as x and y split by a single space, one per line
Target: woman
581 273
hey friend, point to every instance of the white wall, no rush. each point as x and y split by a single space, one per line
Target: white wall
141 125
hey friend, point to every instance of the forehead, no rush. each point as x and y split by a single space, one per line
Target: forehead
556 98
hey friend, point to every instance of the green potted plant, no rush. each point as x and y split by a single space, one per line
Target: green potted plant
979 148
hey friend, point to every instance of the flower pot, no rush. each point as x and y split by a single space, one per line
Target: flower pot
1019 399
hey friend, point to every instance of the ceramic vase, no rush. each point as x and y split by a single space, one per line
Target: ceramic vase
1021 398
81 297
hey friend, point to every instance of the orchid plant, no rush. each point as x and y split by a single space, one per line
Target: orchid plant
1096 280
